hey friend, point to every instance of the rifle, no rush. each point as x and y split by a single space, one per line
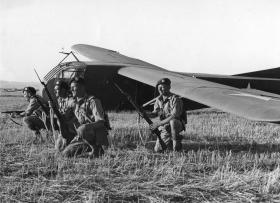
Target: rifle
10 112
143 114
55 110
10 115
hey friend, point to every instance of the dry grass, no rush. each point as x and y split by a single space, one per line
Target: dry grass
225 159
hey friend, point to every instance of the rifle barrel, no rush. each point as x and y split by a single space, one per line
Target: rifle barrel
55 110
143 115
17 112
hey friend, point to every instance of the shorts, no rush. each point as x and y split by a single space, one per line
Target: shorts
166 135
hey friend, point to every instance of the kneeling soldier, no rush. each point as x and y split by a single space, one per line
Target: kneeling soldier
66 107
91 133
169 107
34 117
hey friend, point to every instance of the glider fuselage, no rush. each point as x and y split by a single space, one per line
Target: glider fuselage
98 77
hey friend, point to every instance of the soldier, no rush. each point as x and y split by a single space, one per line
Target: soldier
34 117
172 118
66 107
91 132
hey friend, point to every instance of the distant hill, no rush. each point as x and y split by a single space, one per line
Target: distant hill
18 85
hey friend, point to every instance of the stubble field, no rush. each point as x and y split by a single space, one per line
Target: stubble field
225 159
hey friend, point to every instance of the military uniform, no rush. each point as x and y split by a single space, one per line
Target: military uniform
88 110
34 115
66 107
172 105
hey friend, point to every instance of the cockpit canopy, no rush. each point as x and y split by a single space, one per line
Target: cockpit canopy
97 76
67 71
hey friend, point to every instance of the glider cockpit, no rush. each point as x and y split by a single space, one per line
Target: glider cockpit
98 77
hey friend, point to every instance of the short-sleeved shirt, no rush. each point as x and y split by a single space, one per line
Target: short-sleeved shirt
66 107
35 106
89 110
172 105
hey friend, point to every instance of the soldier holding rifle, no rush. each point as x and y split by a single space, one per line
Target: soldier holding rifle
66 107
172 118
35 115
91 132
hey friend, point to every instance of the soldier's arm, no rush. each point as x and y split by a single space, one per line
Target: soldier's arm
163 122
70 109
155 112
152 114
97 113
32 106
177 107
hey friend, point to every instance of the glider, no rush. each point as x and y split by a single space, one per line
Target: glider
253 95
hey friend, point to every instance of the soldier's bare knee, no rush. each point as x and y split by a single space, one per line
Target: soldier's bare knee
172 122
172 125
28 122
175 128
60 144
25 120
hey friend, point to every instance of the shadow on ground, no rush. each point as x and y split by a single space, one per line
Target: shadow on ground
224 144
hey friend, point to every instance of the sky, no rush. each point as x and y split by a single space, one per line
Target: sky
204 36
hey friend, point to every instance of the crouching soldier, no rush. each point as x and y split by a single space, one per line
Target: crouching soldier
66 107
91 132
35 115
172 118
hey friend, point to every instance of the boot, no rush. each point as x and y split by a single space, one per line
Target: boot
177 145
38 137
98 151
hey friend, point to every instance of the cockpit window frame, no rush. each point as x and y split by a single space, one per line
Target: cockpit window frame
74 72
56 72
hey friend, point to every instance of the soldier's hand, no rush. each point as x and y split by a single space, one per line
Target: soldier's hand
154 126
21 114
13 115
